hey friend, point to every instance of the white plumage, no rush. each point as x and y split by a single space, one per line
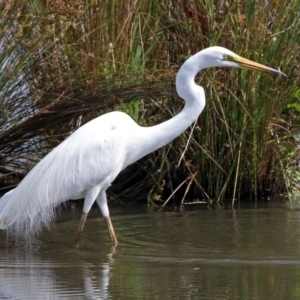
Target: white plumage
77 165
85 164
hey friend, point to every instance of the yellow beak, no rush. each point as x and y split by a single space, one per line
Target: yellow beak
251 65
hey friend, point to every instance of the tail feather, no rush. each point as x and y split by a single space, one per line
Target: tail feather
32 203
3 202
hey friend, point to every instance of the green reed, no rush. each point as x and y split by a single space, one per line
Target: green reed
81 60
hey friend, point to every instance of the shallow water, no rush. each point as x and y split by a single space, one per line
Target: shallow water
195 254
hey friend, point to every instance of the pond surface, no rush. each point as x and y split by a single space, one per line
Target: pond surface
251 253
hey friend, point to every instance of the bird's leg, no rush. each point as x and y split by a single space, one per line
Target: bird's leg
89 199
102 202
80 229
111 231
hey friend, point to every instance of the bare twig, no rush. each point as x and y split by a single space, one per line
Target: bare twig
285 30
182 183
187 189
187 143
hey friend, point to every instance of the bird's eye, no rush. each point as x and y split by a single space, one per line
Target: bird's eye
228 57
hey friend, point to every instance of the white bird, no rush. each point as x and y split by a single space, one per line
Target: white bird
86 163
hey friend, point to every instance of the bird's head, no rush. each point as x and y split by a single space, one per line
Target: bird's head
213 57
226 58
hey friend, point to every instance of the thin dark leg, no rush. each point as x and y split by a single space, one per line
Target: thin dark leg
80 230
111 231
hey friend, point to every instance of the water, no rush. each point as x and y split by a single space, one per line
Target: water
195 254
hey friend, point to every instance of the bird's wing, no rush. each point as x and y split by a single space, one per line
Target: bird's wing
92 155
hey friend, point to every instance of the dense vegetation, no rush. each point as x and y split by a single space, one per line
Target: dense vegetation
66 62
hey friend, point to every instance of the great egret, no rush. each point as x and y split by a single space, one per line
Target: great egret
86 163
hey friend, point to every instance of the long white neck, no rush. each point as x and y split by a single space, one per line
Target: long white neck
159 135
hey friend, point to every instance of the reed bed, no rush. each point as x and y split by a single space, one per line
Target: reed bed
64 64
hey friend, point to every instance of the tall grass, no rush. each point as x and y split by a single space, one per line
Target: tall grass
78 61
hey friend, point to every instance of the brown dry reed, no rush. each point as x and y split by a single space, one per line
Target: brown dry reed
66 62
